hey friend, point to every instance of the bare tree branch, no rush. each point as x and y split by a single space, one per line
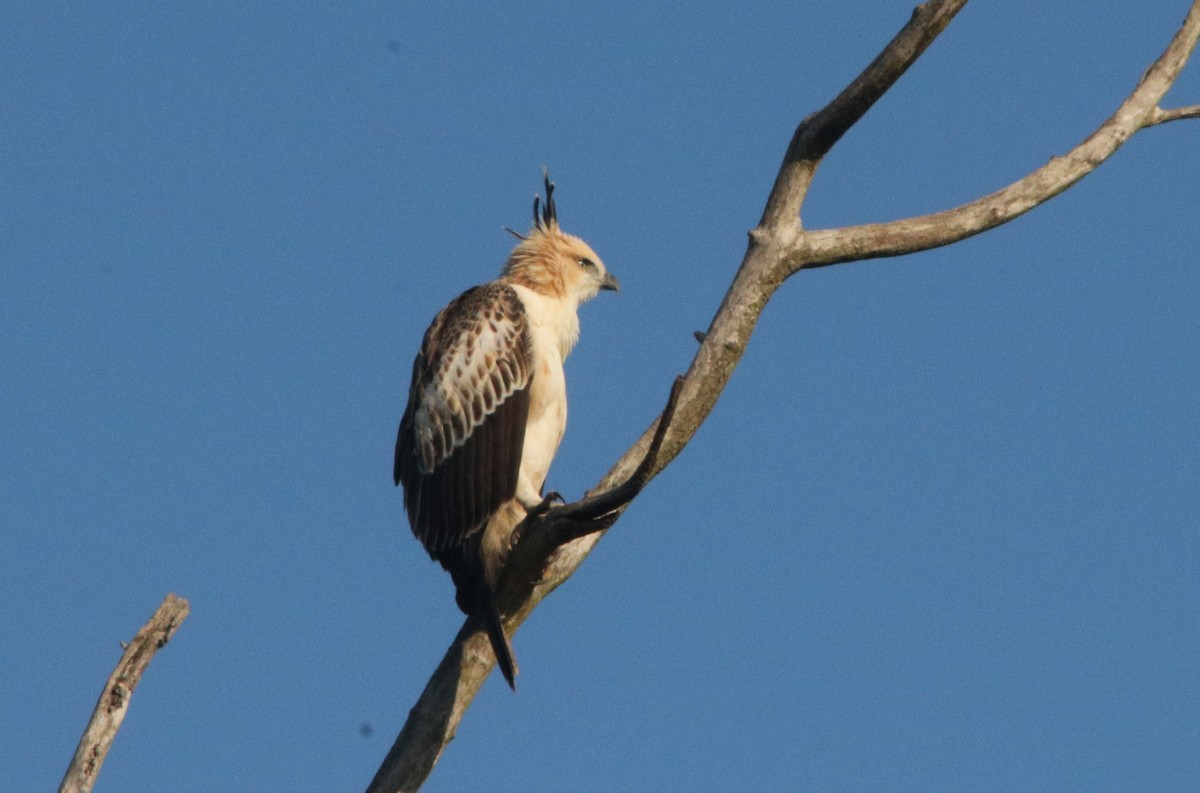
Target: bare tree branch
114 699
817 134
1160 116
1138 111
778 248
432 722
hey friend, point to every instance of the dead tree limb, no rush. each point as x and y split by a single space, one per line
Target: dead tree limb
114 699
1160 116
1139 111
778 248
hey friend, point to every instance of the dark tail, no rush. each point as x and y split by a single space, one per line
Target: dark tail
475 575
490 616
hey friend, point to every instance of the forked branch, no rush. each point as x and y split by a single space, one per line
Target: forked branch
1139 111
817 134
778 248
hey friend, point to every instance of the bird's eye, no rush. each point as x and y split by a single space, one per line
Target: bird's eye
587 263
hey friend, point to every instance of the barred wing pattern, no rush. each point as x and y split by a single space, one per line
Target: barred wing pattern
458 450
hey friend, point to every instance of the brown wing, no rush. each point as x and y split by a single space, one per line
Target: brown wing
458 450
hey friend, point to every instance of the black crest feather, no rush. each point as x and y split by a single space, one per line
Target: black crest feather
545 217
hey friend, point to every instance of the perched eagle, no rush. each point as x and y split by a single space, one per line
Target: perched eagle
487 409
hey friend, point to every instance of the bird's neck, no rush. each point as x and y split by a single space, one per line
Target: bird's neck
551 319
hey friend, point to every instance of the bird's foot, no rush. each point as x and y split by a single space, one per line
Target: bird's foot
535 510
547 501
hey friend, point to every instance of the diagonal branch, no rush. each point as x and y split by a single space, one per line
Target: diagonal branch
114 699
433 721
777 249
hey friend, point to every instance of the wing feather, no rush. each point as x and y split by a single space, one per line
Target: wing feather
458 449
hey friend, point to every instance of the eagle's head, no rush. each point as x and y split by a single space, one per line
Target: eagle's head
554 263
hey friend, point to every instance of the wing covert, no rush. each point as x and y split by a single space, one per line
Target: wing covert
458 449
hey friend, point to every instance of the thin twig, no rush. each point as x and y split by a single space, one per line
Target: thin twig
540 535
591 508
114 699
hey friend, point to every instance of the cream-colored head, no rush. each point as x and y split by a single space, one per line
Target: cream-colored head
553 263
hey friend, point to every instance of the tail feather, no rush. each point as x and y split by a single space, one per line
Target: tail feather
490 616
475 567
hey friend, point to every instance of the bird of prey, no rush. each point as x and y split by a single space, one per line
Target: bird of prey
488 406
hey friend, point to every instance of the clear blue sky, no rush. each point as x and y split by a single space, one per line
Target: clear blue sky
940 533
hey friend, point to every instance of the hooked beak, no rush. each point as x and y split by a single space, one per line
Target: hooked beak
611 283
